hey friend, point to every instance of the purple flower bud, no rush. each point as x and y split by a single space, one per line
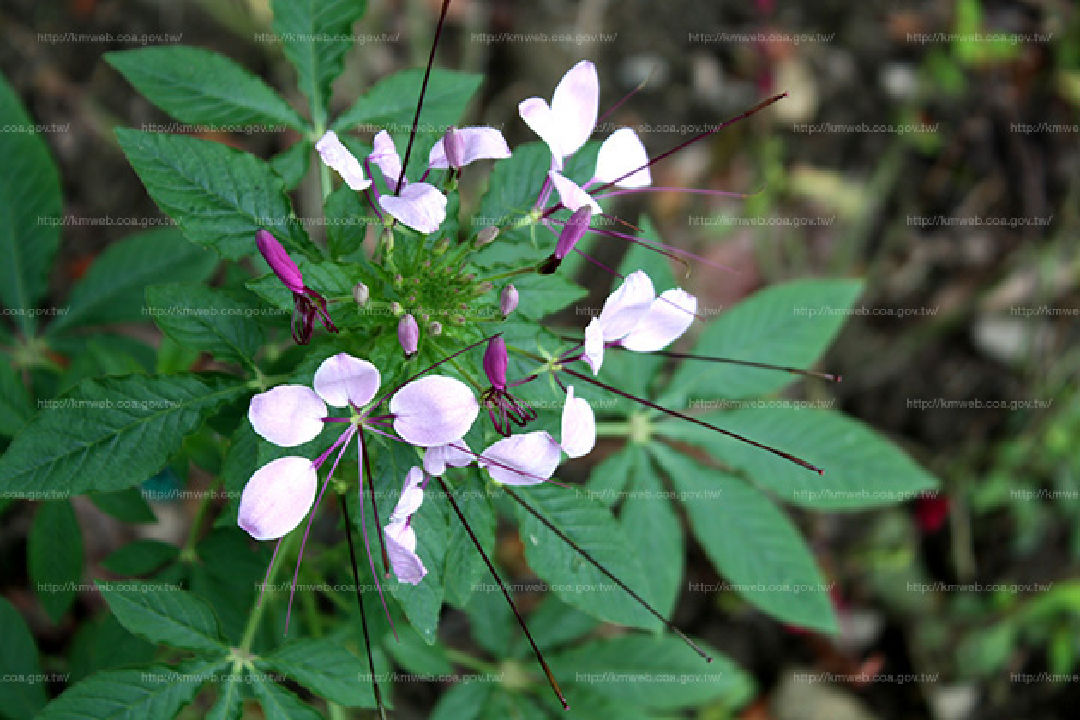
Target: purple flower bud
279 261
408 334
572 232
454 147
486 236
508 300
495 362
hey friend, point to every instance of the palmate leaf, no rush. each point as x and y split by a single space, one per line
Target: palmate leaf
202 87
18 657
789 324
751 542
575 580
315 35
652 672
112 289
206 319
217 195
326 667
157 691
390 103
30 206
862 468
278 703
15 407
109 434
165 615
55 556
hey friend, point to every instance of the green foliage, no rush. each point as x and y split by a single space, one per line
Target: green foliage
202 87
18 657
55 556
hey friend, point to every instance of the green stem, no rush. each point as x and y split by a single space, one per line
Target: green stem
466 660
612 429
187 554
255 617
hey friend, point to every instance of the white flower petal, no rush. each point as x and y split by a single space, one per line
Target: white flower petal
385 156
572 195
420 206
401 547
412 496
668 318
480 143
578 425
627 305
342 379
525 459
573 106
335 155
455 454
594 345
434 410
620 154
277 497
287 415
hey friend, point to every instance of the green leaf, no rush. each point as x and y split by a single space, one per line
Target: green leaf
653 672
99 354
217 195
542 295
862 469
464 566
207 319
157 691
108 434
572 578
390 103
278 703
127 505
609 477
164 614
502 704
751 542
327 668
648 518
113 288
291 164
316 34
514 186
464 701
790 324
18 658
103 644
410 652
552 624
202 87
230 700
55 555
15 407
347 220
30 206
140 557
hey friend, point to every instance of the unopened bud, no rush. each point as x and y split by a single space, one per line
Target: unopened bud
508 300
495 362
408 334
485 236
279 261
396 309
442 246
361 294
435 328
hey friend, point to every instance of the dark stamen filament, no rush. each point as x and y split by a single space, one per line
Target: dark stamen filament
832 377
697 421
420 100
506 594
360 604
374 507
577 548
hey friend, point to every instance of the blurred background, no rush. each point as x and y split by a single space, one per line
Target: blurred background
930 147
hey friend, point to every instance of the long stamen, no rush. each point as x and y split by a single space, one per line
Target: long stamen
420 100
343 441
581 551
696 421
360 604
266 580
627 96
700 136
374 507
832 377
506 594
361 454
